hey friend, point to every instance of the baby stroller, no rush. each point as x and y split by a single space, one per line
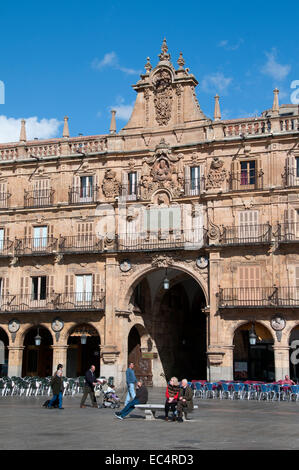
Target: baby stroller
110 400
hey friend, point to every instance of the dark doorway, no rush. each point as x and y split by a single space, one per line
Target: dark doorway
3 353
37 360
81 356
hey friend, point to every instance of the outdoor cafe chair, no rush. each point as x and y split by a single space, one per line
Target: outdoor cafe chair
225 390
294 392
237 390
265 391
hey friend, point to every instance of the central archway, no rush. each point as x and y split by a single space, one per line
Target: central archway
174 325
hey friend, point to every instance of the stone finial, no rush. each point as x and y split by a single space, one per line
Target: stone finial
66 132
164 54
113 122
23 131
148 66
181 61
217 113
275 107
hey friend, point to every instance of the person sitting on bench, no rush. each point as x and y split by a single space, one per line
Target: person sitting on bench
185 401
172 395
140 399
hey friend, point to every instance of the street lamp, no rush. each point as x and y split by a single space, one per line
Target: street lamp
252 336
166 281
37 339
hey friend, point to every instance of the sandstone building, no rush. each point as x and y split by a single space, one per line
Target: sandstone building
171 242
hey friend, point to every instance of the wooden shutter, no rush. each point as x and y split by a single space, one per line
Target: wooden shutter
69 284
249 276
5 286
290 224
248 224
259 183
28 231
124 184
290 170
235 174
187 175
96 283
25 285
50 285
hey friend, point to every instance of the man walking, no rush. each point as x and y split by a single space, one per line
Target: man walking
57 388
130 380
141 398
90 382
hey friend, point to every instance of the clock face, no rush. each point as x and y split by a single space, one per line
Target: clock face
57 325
13 326
125 266
278 323
202 262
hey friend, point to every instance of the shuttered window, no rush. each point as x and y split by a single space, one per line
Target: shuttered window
40 237
249 283
84 287
248 225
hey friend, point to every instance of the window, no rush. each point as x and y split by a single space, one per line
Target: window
83 288
86 184
249 283
39 288
40 237
194 180
248 226
248 173
297 167
1 239
132 183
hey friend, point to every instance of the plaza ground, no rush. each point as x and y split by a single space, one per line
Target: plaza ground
217 424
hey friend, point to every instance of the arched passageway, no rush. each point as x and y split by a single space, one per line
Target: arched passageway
253 362
3 353
80 354
37 360
174 323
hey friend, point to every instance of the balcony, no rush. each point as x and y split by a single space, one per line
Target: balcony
246 180
6 247
168 240
257 297
36 246
53 302
39 198
4 200
130 192
246 235
288 233
83 195
194 186
80 244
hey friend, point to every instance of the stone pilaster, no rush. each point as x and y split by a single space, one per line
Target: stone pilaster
59 357
282 361
15 360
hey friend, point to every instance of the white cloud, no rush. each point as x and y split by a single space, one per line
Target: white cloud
123 111
216 82
111 60
273 68
230 47
43 129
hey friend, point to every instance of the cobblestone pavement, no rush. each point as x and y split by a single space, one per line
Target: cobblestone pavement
217 424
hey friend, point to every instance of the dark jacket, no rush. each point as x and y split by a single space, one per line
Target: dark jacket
90 379
57 384
142 394
187 393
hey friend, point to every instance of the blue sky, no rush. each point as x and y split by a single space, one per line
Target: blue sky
80 58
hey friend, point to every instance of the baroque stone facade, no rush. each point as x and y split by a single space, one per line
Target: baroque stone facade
93 228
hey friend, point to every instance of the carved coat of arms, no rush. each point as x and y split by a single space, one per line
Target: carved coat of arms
110 184
162 97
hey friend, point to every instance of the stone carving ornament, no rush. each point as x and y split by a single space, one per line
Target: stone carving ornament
110 184
162 96
217 174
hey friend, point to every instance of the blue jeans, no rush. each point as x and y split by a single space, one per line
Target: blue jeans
129 407
131 393
59 396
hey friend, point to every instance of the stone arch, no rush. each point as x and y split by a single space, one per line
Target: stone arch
81 355
27 328
140 273
234 326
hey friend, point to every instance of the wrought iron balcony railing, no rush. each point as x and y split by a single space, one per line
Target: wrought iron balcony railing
194 186
80 244
254 297
130 192
4 200
288 233
36 246
54 301
246 234
83 195
246 180
168 240
6 247
39 198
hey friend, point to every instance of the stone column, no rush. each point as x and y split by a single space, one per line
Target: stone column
60 357
15 360
282 361
109 350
